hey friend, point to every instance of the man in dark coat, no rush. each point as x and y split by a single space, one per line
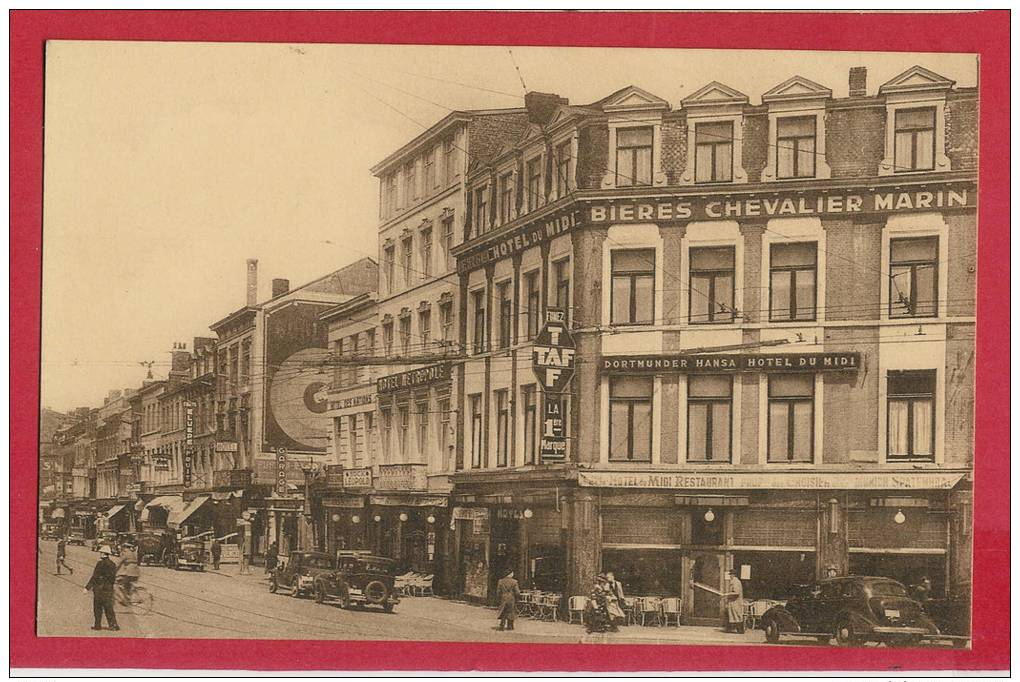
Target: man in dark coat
216 551
101 584
271 556
508 592
62 556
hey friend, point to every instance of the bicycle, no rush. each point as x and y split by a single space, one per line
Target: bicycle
140 601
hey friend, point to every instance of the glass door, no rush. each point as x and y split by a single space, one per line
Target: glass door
704 572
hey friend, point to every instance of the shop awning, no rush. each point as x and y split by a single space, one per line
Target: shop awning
57 513
176 518
171 503
113 511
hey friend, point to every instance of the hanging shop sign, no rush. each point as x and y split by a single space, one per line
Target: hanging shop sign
408 500
553 443
189 442
226 446
470 513
267 471
518 240
402 477
552 357
357 478
781 205
334 476
732 362
353 401
423 376
849 480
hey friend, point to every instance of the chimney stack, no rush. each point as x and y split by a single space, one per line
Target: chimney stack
252 289
858 81
280 286
542 105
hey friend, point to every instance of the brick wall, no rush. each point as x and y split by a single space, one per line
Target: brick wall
850 400
853 267
755 145
962 130
674 146
959 408
855 140
961 267
488 133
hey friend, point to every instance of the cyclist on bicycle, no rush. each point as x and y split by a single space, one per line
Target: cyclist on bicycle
128 572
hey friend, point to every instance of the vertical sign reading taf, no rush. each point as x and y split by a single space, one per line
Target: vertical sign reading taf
189 441
281 471
553 364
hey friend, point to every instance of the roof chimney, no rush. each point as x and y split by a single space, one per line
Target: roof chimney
280 286
858 81
252 289
542 105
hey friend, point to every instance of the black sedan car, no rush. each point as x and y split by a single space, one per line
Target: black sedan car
359 580
299 571
853 610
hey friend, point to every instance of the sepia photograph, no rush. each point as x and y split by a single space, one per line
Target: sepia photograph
508 344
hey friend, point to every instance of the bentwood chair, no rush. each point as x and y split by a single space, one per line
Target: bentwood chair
576 606
671 610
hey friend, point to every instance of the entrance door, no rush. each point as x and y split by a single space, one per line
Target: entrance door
704 571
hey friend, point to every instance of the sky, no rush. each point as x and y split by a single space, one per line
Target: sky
167 165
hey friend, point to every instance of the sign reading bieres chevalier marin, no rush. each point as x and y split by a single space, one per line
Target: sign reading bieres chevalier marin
732 362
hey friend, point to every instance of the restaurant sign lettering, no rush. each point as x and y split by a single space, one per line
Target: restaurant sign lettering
731 362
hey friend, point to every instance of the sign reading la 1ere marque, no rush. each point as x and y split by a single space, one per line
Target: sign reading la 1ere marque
733 362
414 378
779 205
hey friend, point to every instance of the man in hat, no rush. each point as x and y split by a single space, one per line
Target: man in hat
734 596
830 571
508 592
216 550
62 556
101 584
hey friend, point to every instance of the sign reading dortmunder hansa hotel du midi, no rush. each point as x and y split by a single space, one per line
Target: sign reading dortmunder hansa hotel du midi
731 362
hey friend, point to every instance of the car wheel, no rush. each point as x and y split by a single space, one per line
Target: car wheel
320 594
845 635
375 592
345 599
772 632
272 585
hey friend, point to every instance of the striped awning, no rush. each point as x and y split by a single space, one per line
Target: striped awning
113 511
171 503
176 518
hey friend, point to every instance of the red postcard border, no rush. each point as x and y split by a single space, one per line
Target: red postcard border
985 33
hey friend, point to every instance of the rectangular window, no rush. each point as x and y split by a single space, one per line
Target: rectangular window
709 417
425 328
405 426
447 227
791 417
506 198
369 418
633 296
389 264
426 252
392 200
449 160
713 154
913 277
711 284
505 314
387 338
911 415
633 156
410 184
477 440
423 429
444 430
630 419
245 361
914 139
532 301
408 246
430 170
535 193
561 273
795 147
405 334
352 435
563 169
792 281
446 322
387 435
481 212
502 428
529 400
478 299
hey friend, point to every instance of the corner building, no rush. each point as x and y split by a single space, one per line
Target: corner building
773 312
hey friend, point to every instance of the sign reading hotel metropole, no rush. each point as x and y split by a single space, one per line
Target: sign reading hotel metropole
414 378
733 362
553 364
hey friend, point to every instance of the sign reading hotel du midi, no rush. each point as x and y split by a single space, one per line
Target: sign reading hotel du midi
733 362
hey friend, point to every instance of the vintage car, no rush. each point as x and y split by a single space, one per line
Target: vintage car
951 614
154 547
359 579
76 537
188 554
853 610
50 531
297 573
107 537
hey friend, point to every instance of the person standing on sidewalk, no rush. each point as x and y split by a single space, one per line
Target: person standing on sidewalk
734 596
101 584
508 592
271 556
62 556
216 551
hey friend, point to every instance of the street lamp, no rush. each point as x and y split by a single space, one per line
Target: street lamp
710 515
335 518
403 516
899 518
430 519
377 518
528 513
355 519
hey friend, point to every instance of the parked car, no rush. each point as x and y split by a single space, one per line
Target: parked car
359 580
128 540
853 610
298 572
50 531
155 547
107 537
76 537
188 554
951 614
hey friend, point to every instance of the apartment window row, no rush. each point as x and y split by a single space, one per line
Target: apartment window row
416 258
436 169
408 430
790 417
528 320
505 418
792 283
348 348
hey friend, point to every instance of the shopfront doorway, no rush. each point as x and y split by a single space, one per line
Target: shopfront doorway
704 571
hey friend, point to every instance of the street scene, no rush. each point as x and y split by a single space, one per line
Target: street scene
587 363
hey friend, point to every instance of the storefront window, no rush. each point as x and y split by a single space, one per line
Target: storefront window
709 418
913 277
633 294
713 155
502 428
633 156
774 574
645 572
477 441
795 147
911 407
630 419
915 139
711 284
706 527
792 282
791 418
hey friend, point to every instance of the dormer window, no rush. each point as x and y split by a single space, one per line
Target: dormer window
634 156
915 122
796 110
795 147
914 141
534 173
715 114
713 155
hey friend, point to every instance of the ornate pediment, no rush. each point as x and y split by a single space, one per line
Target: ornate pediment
796 88
633 98
916 79
714 93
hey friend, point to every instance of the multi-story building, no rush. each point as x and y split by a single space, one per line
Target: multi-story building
114 467
769 314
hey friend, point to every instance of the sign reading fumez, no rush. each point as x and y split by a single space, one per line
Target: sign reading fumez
553 353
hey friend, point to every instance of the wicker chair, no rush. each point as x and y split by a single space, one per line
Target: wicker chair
671 610
576 606
649 610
